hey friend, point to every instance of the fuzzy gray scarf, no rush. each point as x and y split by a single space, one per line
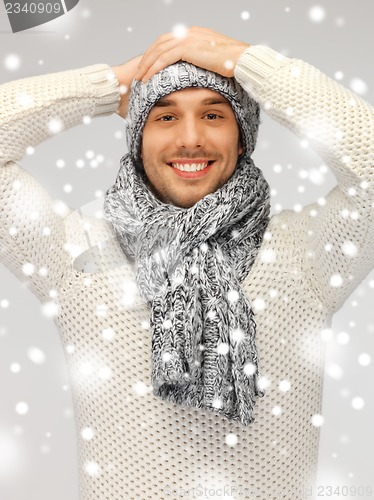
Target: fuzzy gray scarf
189 267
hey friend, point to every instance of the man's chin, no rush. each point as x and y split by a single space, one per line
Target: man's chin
182 196
185 201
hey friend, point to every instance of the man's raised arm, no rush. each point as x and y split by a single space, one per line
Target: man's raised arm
338 232
32 232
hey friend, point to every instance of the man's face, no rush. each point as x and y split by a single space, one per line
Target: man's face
190 145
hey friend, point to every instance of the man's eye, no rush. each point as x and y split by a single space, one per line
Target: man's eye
166 118
211 116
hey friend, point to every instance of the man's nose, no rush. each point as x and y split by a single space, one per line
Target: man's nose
190 133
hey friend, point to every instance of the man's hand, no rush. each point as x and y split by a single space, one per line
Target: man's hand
200 46
125 74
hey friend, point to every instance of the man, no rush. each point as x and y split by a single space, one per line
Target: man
237 302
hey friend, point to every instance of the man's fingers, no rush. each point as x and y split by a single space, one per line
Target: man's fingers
199 46
165 59
156 52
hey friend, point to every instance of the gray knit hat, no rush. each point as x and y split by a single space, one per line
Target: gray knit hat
180 76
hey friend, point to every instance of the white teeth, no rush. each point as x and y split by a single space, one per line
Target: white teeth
187 167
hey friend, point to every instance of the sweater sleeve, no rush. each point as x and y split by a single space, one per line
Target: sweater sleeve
337 234
33 240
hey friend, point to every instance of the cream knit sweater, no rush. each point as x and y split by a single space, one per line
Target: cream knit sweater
137 446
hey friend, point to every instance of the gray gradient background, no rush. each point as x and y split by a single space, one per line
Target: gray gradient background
38 456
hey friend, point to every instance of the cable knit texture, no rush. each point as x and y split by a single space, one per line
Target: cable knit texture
146 448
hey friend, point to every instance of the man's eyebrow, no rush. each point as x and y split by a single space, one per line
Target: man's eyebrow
215 100
209 101
163 103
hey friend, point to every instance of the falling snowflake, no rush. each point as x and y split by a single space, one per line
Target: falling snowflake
357 403
92 468
180 31
339 75
166 357
336 281
268 256
237 335
86 369
211 315
284 385
22 408
223 348
259 304
334 371
316 176
15 368
55 125
25 100
249 369
358 86
28 269
167 324
140 388
108 334
129 290
80 163
86 13
43 271
231 439
217 403
101 310
36 355
50 309
349 248
342 338
12 62
60 208
87 433
340 21
317 420
263 383
364 359
317 14
276 411
233 296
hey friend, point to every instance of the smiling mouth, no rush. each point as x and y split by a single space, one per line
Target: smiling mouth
191 167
